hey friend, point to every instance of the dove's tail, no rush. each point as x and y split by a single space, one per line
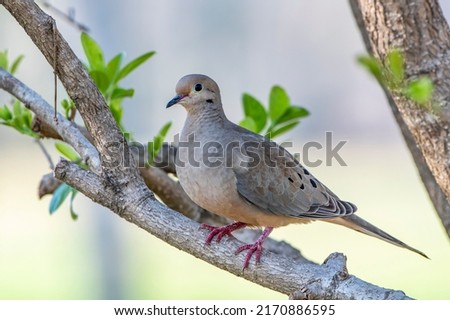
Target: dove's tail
356 223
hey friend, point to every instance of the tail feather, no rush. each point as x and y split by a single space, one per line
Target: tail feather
356 223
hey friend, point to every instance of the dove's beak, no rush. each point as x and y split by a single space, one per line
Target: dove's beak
175 100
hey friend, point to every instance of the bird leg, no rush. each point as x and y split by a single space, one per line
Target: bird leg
220 232
255 247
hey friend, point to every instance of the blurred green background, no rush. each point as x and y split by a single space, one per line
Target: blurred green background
246 46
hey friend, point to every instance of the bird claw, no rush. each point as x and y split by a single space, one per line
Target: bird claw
220 232
255 248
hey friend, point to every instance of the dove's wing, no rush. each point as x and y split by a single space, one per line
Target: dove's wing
270 178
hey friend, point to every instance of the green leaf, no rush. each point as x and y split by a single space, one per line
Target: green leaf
283 129
113 66
101 80
396 66
120 93
248 123
93 52
116 109
59 196
65 104
420 90
27 118
16 122
373 66
72 211
17 109
151 151
165 129
154 146
133 65
159 139
128 136
255 110
16 63
4 59
293 112
20 118
67 151
5 114
278 102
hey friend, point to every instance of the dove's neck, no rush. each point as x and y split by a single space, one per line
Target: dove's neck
206 119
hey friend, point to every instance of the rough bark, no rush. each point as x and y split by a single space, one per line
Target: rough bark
303 281
122 189
417 28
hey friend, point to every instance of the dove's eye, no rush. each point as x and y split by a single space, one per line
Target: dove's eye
198 87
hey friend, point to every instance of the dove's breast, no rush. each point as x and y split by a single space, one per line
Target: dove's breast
211 183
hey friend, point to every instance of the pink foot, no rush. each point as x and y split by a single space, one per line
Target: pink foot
255 247
220 232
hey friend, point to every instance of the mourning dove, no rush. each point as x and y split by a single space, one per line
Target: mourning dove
248 178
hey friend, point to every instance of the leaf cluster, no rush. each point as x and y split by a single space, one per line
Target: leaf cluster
107 77
5 64
278 118
155 145
391 73
17 116
108 74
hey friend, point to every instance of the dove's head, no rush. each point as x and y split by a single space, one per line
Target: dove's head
195 92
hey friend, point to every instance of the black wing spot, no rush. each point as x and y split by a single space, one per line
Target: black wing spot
291 180
313 183
299 175
302 186
306 171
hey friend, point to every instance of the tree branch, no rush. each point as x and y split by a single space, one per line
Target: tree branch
417 28
99 121
66 129
121 189
304 280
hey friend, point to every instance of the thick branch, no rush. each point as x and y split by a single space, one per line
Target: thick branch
48 185
46 131
175 198
66 129
304 280
418 28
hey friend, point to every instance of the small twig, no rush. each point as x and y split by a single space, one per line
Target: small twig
70 17
55 76
48 185
73 113
67 130
45 152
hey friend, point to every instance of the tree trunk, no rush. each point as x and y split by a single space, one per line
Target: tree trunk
419 30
